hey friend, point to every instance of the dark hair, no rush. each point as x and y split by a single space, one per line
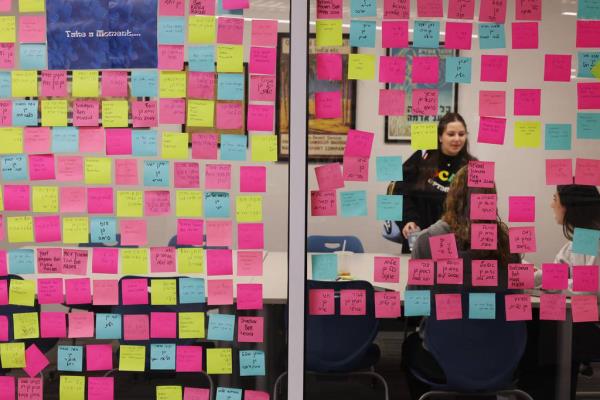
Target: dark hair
582 207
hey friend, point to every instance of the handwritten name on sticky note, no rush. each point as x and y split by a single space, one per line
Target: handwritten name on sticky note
584 308
420 272
522 239
423 136
555 276
483 206
353 302
132 358
443 246
219 361
553 307
585 278
558 136
386 269
518 307
220 327
559 171
587 172
484 272
417 303
494 68
491 130
521 208
448 306
484 236
321 302
387 304
481 174
250 329
586 241
188 359
521 276
449 272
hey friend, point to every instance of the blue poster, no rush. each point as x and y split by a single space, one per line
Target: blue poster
101 34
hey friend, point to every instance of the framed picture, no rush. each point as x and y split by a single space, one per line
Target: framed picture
326 137
397 127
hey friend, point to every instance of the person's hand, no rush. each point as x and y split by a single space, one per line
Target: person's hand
408 228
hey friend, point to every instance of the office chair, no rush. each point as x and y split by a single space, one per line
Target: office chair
329 244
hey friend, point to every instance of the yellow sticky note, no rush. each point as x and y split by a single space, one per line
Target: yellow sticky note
190 260
54 112
21 292
32 6
596 70
75 230
423 136
230 58
85 84
175 145
172 84
188 203
248 208
163 292
130 203
115 113
72 387
168 393
132 358
361 66
45 199
218 361
200 113
1 197
528 134
13 355
97 170
263 148
24 84
12 140
8 29
329 32
202 29
20 229
26 326
191 325
134 261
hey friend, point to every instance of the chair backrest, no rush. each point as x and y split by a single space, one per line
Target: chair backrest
173 243
329 244
336 343
117 243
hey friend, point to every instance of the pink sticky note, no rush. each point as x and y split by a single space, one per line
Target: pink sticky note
171 7
54 83
425 69
36 140
190 393
588 95
35 361
106 292
494 68
255 395
229 115
204 146
170 57
492 11
587 172
189 359
86 113
323 203
187 175
171 111
443 246
394 34
264 32
392 69
329 176
525 35
528 10
144 114
163 325
386 269
126 171
50 291
41 167
53 324
69 168
250 329
7 55
30 388
321 302
162 259
78 291
328 104
585 278
235 4
4 292
588 34
98 357
135 327
251 236
356 169
458 35
190 231
16 197
387 304
483 206
114 83
5 105
395 9
553 307
555 276
425 101
521 276
219 262
253 179
133 232
260 117
557 67
484 236
484 272
420 272
81 325
521 208
517 307
91 140
448 306
249 263
201 85
3 264
481 174
522 239
32 29
157 202
430 8
134 291
100 388
262 87
491 130
7 383
105 260
218 233
230 30
249 296
217 176
450 272
461 9
219 292
100 200
329 9
4 328
492 103
358 143
527 101
46 229
118 141
391 102
584 308
263 60
353 302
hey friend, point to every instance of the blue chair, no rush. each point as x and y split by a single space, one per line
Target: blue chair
329 244
117 243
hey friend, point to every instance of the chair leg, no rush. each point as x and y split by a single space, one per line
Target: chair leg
518 393
276 385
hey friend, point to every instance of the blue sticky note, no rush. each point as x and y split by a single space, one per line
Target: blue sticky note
216 205
389 207
191 291
201 58
108 326
14 168
171 30
234 147
65 140
557 137
70 358
103 230
586 241
482 305
362 33
224 393
32 56
588 125
25 113
162 356
458 69
143 142
222 11
157 173
588 9
354 203
426 34
586 60
324 267
389 168
21 261
144 83
417 302
252 363
363 8
230 87
5 85
491 36
220 327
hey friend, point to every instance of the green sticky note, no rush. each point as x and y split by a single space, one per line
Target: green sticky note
586 61
354 203
585 241
417 302
482 306
324 267
389 207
